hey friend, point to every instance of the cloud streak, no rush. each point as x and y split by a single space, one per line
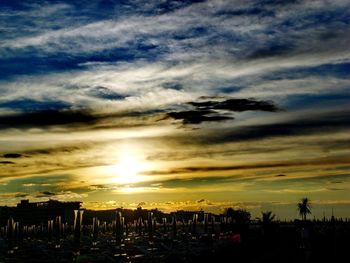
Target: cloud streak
199 169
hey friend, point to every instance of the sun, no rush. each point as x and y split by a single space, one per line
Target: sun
127 168
127 165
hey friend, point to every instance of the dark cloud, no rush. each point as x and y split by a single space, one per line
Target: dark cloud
15 194
200 169
6 162
105 93
337 182
82 119
236 105
197 116
190 181
172 85
219 109
271 51
245 12
254 182
330 34
46 118
335 189
328 179
206 153
58 149
53 166
278 2
12 155
45 194
257 8
48 193
338 70
302 125
21 195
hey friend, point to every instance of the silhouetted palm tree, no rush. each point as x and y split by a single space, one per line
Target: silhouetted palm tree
267 217
304 207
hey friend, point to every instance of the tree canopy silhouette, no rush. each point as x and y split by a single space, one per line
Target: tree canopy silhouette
304 207
240 216
267 217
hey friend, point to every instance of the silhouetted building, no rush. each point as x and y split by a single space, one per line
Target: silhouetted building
5 213
40 212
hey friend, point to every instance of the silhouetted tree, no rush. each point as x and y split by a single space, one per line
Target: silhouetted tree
267 217
304 207
268 227
240 216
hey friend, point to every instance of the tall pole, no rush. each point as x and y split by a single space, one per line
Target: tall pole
10 234
174 226
118 228
78 222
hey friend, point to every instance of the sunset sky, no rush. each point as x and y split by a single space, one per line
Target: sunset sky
176 104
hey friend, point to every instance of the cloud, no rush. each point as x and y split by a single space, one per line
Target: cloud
13 195
45 194
197 117
229 32
21 195
204 111
6 162
190 182
291 163
45 118
60 196
310 123
76 119
66 149
218 110
12 155
335 189
105 93
101 187
270 51
236 105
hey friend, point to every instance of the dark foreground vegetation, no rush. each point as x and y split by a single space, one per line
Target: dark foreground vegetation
47 232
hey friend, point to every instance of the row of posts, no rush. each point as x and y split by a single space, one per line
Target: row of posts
57 231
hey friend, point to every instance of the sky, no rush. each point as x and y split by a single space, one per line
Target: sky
176 104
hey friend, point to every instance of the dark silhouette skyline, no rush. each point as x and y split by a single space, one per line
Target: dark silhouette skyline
122 235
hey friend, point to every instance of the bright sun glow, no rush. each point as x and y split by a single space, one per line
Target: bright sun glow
127 168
